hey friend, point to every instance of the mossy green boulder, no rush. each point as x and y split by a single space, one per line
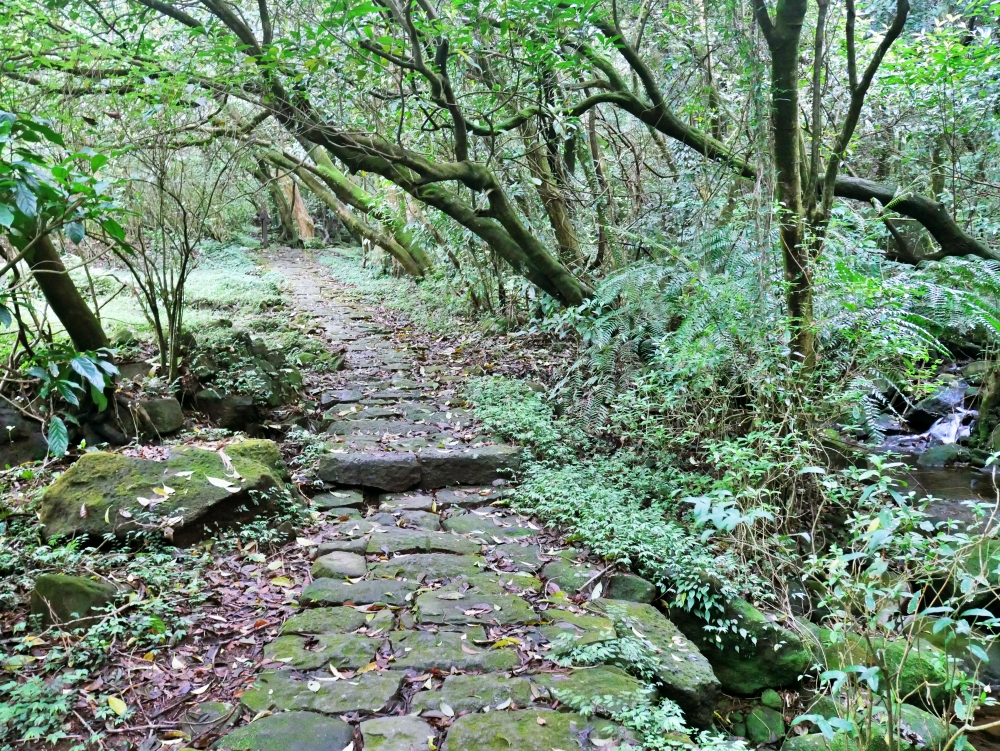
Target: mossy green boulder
684 675
71 600
917 730
186 498
922 669
601 690
754 651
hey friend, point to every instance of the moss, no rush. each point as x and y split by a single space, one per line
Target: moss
60 599
922 668
102 493
754 654
289 731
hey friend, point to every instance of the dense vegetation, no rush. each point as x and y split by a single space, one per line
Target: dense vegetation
755 238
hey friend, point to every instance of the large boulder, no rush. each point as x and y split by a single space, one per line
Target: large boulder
918 730
74 601
185 498
684 675
919 670
754 652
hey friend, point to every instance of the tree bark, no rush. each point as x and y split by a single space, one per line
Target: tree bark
782 38
68 305
355 226
357 197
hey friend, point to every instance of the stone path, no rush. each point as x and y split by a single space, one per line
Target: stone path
433 615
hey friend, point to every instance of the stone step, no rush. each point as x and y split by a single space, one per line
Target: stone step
429 469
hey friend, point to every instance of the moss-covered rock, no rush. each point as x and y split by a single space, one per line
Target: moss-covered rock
529 730
917 730
765 725
601 690
631 587
70 600
341 651
285 690
324 621
289 731
754 652
922 669
685 676
397 734
471 693
111 494
444 650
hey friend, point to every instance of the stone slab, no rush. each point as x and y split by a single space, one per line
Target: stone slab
472 693
339 620
289 731
429 567
388 471
397 734
444 650
285 690
521 730
336 592
477 466
339 564
342 651
484 602
418 541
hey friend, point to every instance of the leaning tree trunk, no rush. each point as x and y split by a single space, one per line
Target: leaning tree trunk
68 305
354 195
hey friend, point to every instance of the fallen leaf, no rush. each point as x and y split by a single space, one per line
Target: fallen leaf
313 686
177 663
446 710
117 705
200 690
123 512
369 667
507 641
83 510
469 650
540 720
282 581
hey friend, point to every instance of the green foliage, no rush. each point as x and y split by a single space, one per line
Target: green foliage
35 710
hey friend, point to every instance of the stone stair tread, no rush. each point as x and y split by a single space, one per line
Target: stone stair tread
288 690
369 592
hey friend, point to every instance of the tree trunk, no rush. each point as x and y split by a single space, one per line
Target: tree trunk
300 215
356 196
289 232
68 305
354 225
783 41
551 197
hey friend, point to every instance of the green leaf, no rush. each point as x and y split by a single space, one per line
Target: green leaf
25 200
97 161
5 317
6 216
99 398
75 232
979 652
57 437
114 229
89 370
